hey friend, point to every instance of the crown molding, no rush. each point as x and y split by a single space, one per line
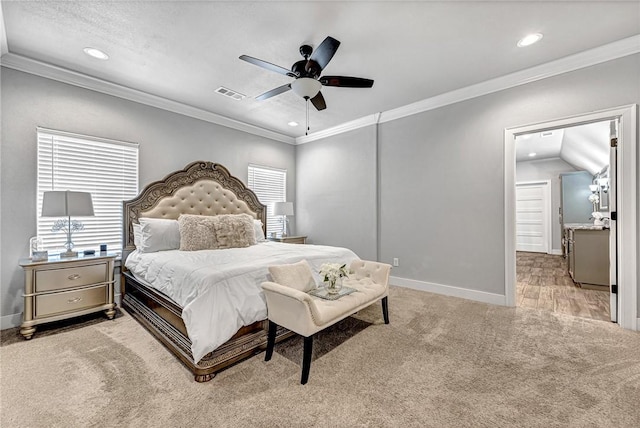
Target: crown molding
608 52
42 69
347 126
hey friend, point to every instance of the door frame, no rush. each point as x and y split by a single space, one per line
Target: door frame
546 195
627 188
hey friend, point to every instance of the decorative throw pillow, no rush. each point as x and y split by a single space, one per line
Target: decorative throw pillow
257 227
197 232
234 230
296 275
158 234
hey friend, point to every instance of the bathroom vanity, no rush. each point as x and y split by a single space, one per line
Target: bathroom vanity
587 251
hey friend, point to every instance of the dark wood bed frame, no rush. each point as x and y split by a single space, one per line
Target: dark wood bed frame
161 315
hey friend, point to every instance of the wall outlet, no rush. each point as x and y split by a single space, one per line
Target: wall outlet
396 261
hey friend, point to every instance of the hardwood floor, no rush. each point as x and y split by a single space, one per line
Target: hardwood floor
542 282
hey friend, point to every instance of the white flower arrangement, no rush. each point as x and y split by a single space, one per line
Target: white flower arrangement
594 198
598 219
330 272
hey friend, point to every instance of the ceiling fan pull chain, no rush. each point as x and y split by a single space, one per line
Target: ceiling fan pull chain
307 131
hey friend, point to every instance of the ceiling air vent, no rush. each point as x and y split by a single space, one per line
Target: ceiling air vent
229 93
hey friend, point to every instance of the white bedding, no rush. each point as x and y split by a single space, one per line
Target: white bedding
219 290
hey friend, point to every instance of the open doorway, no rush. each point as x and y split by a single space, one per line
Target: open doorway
623 225
562 222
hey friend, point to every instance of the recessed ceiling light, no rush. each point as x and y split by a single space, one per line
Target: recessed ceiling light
532 154
292 123
529 40
96 53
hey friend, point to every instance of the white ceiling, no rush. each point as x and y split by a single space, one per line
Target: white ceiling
184 50
585 147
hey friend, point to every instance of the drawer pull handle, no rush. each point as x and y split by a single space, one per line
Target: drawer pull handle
74 276
76 300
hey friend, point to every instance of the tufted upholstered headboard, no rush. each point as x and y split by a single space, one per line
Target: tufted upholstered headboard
202 188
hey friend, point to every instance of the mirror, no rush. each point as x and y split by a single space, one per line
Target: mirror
602 180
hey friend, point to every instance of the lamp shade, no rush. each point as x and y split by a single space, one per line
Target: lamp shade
67 203
283 208
306 87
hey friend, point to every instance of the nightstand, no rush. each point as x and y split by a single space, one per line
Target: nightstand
61 288
289 239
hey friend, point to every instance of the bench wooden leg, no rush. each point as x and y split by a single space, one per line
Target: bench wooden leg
271 340
306 359
385 309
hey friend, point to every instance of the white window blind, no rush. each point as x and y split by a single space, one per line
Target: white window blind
105 168
270 185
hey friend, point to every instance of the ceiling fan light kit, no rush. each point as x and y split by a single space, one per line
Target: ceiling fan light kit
306 87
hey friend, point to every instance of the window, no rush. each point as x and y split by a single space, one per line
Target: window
270 185
105 168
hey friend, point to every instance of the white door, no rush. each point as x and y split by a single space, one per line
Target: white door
613 233
532 217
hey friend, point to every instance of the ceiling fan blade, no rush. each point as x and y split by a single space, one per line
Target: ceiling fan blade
323 54
274 92
318 102
267 65
346 82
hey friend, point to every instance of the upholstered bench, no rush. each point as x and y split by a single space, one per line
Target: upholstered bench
290 306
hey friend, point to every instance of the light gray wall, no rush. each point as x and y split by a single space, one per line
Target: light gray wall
547 169
441 197
441 175
168 142
336 193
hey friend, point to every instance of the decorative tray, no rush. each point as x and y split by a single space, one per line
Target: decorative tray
324 294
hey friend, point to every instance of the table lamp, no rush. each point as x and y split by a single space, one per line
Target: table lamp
284 209
67 204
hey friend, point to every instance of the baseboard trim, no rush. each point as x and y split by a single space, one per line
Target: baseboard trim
14 320
638 324
449 290
556 252
10 321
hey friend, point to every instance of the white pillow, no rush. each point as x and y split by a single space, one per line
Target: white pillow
295 275
159 234
137 235
257 227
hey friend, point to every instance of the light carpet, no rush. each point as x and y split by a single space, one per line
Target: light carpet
442 362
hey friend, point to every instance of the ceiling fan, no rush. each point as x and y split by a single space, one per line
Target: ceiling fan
306 72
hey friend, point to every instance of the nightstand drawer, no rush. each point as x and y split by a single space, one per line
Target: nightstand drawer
295 240
57 279
70 301
289 239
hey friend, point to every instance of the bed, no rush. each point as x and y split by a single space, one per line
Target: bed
205 304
